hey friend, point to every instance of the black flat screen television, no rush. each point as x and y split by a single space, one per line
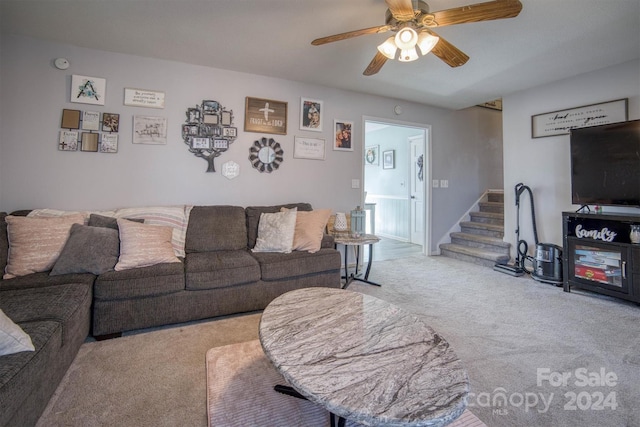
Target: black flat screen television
605 164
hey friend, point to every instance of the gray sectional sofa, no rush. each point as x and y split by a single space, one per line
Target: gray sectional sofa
219 275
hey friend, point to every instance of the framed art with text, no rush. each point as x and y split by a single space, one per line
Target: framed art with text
264 116
562 121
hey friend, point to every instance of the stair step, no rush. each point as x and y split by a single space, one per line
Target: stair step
484 229
487 217
480 241
495 196
474 255
497 207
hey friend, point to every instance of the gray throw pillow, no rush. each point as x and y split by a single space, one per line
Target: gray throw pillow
96 220
88 250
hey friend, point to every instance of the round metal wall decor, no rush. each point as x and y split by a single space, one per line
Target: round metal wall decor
208 131
266 155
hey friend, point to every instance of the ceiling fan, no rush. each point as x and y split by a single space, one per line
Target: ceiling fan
413 26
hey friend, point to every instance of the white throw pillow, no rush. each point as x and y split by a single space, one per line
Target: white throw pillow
275 232
36 243
12 338
143 245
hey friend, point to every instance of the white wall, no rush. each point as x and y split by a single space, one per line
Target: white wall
33 173
543 164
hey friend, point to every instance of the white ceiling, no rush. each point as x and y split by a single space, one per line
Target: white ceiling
550 40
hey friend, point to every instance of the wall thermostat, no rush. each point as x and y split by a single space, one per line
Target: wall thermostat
61 63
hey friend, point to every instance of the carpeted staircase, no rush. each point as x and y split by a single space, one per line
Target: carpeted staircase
480 239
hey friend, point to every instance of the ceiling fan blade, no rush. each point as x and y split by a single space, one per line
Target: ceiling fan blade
350 34
402 10
450 54
497 9
375 65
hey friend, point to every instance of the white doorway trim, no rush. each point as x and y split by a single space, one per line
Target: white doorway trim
426 248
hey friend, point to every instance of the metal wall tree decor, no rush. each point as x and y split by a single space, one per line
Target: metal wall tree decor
208 131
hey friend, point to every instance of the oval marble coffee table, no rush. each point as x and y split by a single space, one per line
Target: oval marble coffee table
363 359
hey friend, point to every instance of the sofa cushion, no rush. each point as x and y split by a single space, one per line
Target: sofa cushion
155 280
219 269
144 245
216 228
12 338
253 218
276 266
275 231
40 280
35 243
88 250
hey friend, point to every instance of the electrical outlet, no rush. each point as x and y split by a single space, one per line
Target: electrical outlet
444 183
435 183
355 183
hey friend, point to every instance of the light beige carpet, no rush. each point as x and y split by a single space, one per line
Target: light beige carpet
240 382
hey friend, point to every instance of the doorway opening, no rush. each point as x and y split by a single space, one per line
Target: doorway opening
396 172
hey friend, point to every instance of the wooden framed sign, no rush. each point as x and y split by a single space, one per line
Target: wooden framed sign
265 116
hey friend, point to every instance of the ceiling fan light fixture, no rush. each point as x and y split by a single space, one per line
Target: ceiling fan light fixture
426 42
408 55
388 48
406 38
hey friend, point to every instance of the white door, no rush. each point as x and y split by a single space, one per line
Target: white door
417 176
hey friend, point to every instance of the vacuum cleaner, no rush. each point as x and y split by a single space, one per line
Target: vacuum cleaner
547 264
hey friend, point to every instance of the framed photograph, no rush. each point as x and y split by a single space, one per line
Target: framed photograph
308 148
68 140
211 119
561 122
91 120
265 116
311 114
109 143
389 159
230 132
372 155
220 144
89 142
143 98
110 122
88 90
343 136
201 143
226 119
149 130
193 115
70 119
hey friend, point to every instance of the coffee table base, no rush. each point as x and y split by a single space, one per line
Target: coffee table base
336 421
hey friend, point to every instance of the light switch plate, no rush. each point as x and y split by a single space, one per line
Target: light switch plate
355 183
444 183
435 183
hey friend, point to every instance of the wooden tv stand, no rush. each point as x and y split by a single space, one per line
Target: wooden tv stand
598 254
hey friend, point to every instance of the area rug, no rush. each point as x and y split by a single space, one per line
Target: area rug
240 382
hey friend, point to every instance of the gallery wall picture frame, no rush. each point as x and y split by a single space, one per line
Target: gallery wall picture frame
389 159
70 119
68 140
311 114
91 120
149 130
109 143
143 98
372 155
562 121
88 90
89 142
308 148
342 135
264 116
110 122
